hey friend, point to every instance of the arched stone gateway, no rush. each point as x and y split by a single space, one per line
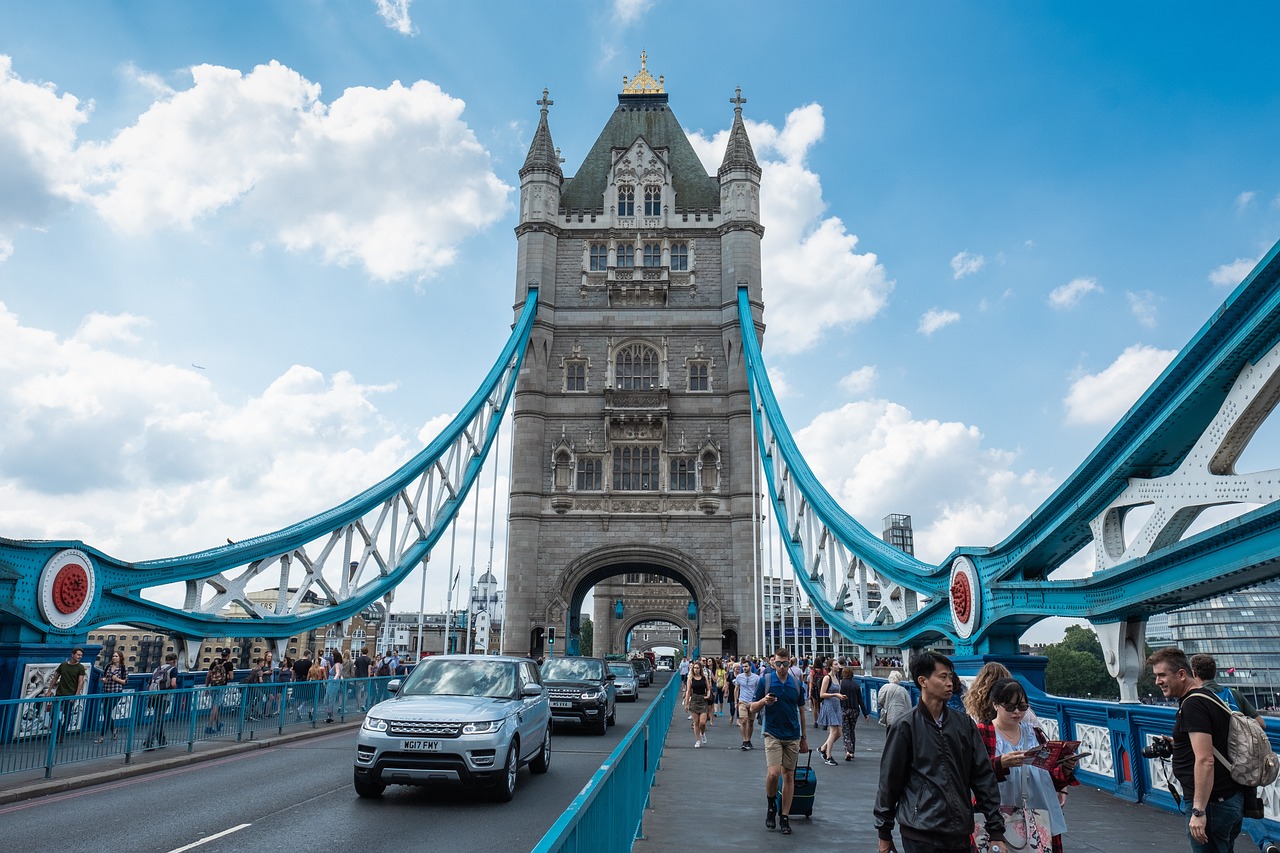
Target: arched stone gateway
632 449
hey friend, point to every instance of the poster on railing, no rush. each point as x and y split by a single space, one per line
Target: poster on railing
35 719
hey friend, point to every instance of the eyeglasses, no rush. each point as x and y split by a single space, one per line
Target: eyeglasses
780 663
1016 709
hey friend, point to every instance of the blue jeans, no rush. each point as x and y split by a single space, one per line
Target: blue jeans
1222 825
1259 832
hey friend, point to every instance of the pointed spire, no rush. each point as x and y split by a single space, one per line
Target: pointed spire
738 152
543 153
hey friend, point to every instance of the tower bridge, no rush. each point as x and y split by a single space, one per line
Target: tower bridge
647 439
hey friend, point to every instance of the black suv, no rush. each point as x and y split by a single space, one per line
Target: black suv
581 689
643 673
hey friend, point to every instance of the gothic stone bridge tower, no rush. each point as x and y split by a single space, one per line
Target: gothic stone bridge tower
632 449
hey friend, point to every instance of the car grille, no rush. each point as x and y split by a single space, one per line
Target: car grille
565 692
405 728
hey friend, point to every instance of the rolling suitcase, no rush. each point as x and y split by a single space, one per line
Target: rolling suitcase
805 788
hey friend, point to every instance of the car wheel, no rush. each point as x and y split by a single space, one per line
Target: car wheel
602 725
541 763
506 787
613 716
367 788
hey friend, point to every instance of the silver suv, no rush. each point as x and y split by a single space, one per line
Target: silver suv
457 718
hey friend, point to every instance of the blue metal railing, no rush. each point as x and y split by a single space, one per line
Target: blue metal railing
47 732
608 814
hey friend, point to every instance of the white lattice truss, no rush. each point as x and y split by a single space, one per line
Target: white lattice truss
848 581
377 541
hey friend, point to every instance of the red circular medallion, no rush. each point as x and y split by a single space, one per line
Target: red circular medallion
70 588
961 597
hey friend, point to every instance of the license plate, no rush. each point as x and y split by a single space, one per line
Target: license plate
558 705
422 746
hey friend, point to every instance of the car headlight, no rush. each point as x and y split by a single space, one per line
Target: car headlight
484 728
592 694
374 724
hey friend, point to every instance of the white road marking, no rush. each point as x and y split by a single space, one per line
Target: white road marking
209 838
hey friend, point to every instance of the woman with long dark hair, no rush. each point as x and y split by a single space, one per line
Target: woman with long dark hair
114 677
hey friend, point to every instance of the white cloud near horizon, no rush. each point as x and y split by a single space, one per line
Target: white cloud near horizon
876 458
935 319
1070 294
1101 398
814 277
1229 275
395 14
965 264
391 179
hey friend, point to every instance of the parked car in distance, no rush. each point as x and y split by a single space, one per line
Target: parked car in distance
644 673
581 689
457 718
627 683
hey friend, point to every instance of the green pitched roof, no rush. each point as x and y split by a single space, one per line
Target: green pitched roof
650 117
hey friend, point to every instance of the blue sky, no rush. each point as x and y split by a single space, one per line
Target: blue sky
252 254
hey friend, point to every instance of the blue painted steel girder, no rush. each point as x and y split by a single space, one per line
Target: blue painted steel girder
450 464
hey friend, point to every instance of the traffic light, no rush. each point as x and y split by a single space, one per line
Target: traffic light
684 637
551 636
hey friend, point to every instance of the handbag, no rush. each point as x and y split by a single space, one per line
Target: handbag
1025 828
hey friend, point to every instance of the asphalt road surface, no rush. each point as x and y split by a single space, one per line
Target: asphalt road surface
299 797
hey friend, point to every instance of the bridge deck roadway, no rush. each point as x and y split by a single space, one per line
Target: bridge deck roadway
713 797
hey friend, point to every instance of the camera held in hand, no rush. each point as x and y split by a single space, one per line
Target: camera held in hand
1161 747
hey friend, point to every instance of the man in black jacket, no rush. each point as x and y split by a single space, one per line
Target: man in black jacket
935 772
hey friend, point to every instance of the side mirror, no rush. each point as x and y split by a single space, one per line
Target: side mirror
531 690
394 685
612 677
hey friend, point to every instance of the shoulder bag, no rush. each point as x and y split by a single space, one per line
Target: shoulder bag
1025 828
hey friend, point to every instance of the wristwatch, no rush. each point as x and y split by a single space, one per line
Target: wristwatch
1197 812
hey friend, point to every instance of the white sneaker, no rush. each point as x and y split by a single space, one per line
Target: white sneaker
704 738
697 743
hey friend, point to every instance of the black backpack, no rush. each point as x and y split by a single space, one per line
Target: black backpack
384 668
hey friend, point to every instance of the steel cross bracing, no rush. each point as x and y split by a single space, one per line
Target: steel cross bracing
1175 452
388 530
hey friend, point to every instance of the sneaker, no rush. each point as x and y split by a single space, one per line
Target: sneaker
697 744
771 818
744 746
750 745
830 762
704 737
786 825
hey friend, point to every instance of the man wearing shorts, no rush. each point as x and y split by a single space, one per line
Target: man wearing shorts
744 691
781 697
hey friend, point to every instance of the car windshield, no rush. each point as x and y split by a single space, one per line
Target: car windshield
444 677
622 669
570 669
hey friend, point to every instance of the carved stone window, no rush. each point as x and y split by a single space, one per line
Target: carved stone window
680 257
599 257
590 469
635 467
626 256
626 200
637 368
684 474
575 375
699 376
652 201
653 254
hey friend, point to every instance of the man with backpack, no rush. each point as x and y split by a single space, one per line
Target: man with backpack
781 696
1201 727
164 678
1206 669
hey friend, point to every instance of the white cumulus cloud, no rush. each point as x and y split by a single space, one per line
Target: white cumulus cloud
876 459
1229 275
1070 294
935 319
965 264
814 277
395 14
860 381
1101 398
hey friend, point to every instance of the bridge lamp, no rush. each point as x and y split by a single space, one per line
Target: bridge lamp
618 609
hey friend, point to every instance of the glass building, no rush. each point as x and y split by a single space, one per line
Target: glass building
1242 632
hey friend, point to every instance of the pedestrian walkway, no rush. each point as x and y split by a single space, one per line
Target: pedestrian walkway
712 798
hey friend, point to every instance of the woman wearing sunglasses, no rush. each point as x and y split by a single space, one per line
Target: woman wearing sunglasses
1011 743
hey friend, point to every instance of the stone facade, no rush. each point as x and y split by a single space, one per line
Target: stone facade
632 448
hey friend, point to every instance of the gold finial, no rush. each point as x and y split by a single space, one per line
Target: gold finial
643 83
